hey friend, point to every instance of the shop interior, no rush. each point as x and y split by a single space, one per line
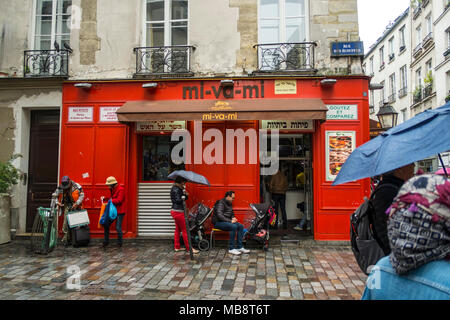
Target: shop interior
295 155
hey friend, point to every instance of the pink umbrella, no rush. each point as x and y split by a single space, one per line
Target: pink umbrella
441 171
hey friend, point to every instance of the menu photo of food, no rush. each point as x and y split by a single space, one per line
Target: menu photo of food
340 145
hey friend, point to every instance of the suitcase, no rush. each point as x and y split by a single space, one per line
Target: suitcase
80 236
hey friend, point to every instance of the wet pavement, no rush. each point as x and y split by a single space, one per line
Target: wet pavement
150 269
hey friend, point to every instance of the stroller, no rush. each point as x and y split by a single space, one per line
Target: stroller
259 226
197 217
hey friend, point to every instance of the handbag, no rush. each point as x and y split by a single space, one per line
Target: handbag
109 214
112 211
102 211
77 218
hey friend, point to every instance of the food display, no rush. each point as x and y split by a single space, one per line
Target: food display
339 149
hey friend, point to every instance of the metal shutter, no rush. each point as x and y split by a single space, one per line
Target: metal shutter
154 219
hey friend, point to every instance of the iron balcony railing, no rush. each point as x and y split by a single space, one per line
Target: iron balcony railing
427 91
391 98
46 63
402 92
163 60
293 56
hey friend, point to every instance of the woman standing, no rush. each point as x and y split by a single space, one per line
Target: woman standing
117 199
178 194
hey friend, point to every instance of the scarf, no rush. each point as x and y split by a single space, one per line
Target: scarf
419 223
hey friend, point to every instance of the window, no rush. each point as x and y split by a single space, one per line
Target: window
283 21
51 24
402 42
403 82
418 35
447 37
156 158
429 24
419 77
166 23
382 93
381 57
429 66
391 48
371 65
391 88
404 114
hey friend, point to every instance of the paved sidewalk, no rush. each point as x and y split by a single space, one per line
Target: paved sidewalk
152 270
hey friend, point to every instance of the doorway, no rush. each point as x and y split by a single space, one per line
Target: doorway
43 161
295 163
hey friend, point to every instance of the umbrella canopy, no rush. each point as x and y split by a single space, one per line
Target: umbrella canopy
189 176
422 136
441 171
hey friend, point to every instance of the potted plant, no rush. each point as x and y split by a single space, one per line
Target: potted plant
417 94
9 176
447 98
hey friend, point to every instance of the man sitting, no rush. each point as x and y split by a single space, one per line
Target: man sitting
223 219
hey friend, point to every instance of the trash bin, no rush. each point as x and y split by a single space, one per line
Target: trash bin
5 218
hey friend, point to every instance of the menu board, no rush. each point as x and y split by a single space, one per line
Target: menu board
80 114
108 114
339 146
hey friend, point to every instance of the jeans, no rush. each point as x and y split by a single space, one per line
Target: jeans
280 200
234 228
119 221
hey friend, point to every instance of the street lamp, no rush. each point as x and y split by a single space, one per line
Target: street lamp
387 116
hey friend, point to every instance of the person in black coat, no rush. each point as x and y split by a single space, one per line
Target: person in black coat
223 218
382 198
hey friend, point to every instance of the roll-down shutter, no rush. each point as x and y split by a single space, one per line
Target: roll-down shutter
154 217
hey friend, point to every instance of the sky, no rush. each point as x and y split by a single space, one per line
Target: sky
375 15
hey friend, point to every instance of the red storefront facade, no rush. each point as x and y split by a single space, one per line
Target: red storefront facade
95 145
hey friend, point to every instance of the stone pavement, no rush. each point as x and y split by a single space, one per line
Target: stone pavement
148 269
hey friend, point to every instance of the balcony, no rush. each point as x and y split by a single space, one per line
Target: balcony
46 63
428 40
417 50
447 53
391 57
425 3
417 12
286 57
391 98
417 97
427 91
402 92
167 60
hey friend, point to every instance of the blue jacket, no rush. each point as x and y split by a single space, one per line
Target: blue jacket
429 282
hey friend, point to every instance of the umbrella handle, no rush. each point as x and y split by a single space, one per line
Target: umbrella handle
443 166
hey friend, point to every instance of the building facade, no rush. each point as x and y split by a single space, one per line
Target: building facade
412 55
94 88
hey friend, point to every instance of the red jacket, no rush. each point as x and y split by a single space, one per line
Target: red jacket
118 199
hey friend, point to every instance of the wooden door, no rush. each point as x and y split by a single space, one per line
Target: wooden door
43 161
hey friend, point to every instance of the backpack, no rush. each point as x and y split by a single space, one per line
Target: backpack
365 246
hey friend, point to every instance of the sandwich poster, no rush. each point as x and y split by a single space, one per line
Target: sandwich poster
339 146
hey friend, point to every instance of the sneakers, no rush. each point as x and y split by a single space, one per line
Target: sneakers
236 252
298 228
243 250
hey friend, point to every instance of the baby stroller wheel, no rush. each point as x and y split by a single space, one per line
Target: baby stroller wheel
203 245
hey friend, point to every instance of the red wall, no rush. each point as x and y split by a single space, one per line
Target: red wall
104 149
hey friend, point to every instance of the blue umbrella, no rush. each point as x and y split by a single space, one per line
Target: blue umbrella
189 176
422 136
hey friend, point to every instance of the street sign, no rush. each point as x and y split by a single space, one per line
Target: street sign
347 49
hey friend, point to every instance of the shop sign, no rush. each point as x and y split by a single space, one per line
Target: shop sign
285 86
164 125
303 125
339 146
108 114
253 91
342 112
81 114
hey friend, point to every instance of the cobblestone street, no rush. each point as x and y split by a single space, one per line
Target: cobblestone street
152 270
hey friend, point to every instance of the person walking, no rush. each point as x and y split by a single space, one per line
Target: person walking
118 199
278 187
223 218
178 195
70 197
418 229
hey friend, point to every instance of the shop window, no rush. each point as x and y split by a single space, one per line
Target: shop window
156 158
